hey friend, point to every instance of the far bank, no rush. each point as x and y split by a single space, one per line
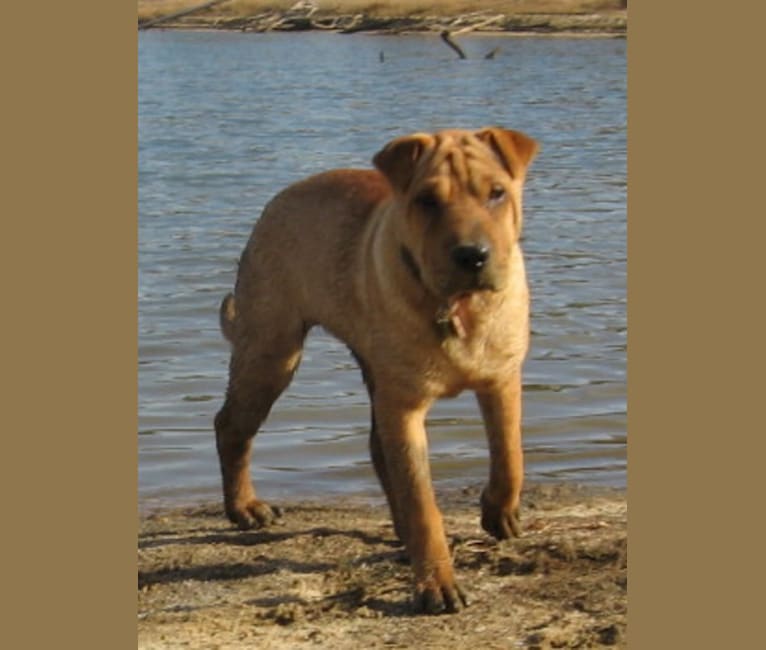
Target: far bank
575 17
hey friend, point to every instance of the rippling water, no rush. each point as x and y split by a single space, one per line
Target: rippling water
227 119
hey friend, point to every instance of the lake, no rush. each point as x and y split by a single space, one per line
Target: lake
227 119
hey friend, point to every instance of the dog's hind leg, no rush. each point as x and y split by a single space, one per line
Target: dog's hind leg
261 367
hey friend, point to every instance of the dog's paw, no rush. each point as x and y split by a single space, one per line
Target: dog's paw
499 519
253 514
433 597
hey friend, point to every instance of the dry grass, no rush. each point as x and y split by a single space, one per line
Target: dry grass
399 8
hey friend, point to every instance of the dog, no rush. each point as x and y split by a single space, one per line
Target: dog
416 266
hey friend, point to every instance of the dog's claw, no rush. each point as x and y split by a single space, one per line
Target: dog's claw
254 514
436 599
498 520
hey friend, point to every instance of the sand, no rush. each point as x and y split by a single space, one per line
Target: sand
331 574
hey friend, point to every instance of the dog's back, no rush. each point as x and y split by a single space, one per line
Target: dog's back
306 250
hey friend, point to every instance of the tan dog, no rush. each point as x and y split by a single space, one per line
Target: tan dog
416 266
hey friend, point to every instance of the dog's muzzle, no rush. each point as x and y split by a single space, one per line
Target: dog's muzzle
473 268
470 258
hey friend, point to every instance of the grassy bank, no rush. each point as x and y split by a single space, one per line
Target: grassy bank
584 16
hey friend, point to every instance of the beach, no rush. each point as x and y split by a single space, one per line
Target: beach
331 574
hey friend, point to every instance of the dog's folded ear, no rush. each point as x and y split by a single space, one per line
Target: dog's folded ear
398 158
514 149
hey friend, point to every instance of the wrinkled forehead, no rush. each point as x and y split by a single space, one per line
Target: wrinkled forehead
457 159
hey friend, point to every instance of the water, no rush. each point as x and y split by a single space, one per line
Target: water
227 119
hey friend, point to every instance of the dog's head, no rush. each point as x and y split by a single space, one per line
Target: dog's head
460 198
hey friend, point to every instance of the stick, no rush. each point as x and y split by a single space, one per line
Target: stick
448 40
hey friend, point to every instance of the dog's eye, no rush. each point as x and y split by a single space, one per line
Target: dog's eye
496 194
428 202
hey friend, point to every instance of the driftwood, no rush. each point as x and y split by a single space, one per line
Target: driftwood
448 40
363 23
298 17
487 22
447 34
178 14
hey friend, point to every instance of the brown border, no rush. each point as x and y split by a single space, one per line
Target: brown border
71 324
69 287
692 69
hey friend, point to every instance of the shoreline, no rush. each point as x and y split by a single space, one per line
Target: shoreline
484 33
331 573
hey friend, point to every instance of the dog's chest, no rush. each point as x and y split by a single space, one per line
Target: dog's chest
473 362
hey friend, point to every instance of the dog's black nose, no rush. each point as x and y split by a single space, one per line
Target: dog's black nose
470 258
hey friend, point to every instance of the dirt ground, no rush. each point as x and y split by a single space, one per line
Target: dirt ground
331 574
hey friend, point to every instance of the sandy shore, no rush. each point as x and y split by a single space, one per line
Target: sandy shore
332 575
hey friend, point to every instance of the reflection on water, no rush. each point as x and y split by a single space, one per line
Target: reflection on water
225 120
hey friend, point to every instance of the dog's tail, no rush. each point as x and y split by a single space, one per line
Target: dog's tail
227 315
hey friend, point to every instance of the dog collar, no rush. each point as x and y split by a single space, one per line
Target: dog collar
448 321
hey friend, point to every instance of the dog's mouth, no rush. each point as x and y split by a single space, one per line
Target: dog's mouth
467 284
456 315
460 285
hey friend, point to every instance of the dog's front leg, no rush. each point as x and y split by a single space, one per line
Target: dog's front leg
405 449
500 500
